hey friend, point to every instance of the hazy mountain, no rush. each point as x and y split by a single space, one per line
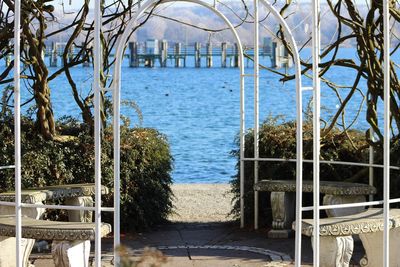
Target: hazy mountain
164 24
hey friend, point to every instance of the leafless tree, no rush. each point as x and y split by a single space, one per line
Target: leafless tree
37 15
365 30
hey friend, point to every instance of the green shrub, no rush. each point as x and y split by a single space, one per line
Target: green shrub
279 141
146 164
394 174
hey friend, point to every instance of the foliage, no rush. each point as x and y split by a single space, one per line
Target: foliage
278 140
362 27
38 21
394 174
146 164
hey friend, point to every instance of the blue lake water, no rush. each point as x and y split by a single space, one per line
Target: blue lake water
198 110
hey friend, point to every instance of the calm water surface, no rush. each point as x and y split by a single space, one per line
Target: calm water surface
198 110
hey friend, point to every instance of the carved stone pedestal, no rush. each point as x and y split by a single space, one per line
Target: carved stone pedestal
80 215
8 253
7 244
282 204
373 245
283 200
335 251
283 207
71 253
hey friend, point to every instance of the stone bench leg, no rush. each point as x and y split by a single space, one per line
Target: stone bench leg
283 211
7 244
77 215
335 251
373 245
71 253
8 253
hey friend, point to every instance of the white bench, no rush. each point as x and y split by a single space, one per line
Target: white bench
336 242
73 194
283 199
71 240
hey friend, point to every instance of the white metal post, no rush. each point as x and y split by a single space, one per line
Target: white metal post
316 125
256 108
386 142
242 136
97 129
299 167
17 129
371 162
117 156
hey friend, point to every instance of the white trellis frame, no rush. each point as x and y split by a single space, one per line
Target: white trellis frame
116 87
17 139
316 147
316 134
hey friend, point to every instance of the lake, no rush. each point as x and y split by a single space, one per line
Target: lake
198 109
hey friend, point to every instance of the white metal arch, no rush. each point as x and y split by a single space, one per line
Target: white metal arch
151 4
299 127
116 88
116 98
299 105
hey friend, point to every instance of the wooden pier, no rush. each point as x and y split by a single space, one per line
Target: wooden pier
161 53
153 52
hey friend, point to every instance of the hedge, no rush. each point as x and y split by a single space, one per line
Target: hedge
278 140
146 165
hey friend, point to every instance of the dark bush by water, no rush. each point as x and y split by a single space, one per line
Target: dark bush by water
146 165
279 141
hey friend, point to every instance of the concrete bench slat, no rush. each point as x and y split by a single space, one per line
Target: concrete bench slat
53 192
326 187
51 230
370 221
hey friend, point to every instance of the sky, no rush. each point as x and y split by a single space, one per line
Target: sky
75 4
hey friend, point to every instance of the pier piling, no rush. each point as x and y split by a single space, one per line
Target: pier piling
209 55
151 52
236 56
133 55
164 53
178 51
197 55
275 56
53 55
288 62
223 55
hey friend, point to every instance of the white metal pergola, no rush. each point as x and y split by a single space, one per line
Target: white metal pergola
116 89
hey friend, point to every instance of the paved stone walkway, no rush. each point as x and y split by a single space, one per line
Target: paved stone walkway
212 244
202 245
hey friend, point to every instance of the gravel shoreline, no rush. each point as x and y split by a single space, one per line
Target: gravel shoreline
201 203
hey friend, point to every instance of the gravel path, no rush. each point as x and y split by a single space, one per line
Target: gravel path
201 203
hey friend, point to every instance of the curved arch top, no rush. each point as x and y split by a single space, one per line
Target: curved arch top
151 4
116 82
